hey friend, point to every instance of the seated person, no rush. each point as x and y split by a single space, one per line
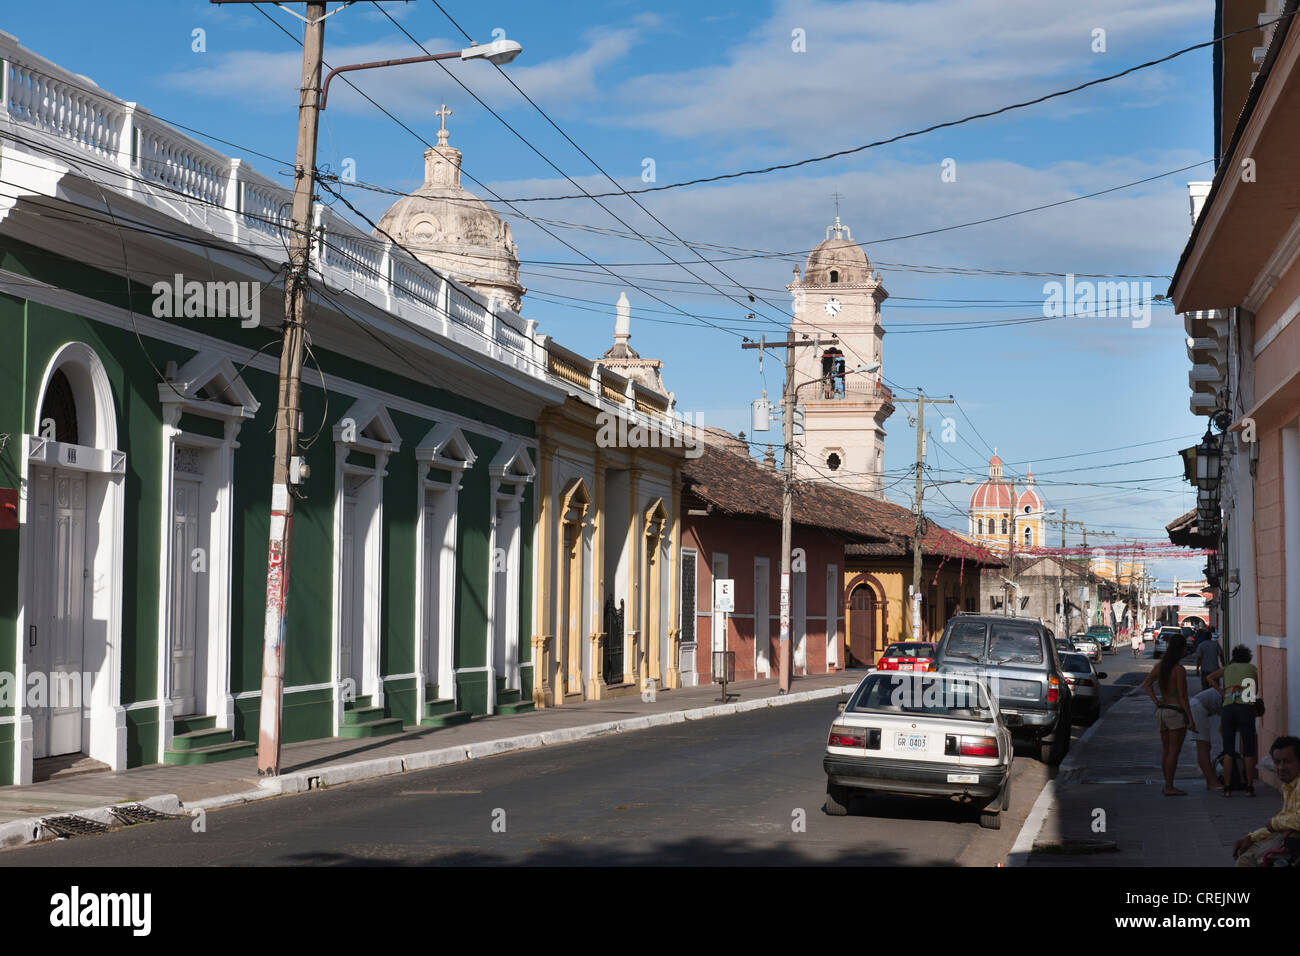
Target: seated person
1250 849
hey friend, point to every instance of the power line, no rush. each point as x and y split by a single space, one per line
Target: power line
929 129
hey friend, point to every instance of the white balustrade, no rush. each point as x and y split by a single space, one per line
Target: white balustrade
235 202
63 108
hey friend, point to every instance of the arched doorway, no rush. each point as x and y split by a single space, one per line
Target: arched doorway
71 569
862 626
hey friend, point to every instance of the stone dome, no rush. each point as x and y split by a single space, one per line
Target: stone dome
837 259
455 232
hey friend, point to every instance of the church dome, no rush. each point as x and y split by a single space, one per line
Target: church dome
837 259
1029 498
993 494
449 228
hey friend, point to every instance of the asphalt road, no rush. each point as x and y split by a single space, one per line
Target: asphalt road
743 790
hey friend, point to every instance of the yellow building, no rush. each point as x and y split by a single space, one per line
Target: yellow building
878 582
609 530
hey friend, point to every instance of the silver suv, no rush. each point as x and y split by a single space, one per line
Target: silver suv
1017 658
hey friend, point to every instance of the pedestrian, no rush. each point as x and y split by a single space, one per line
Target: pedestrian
1137 642
1172 713
1209 654
1242 703
1206 707
1250 849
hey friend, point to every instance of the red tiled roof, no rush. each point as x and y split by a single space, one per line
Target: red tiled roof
738 485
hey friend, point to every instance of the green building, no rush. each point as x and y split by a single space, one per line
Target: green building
141 297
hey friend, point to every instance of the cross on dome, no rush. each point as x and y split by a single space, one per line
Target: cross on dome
442 132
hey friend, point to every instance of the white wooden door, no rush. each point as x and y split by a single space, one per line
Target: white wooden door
762 618
351 628
185 584
432 597
56 623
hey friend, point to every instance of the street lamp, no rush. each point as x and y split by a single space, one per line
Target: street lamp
1208 464
498 52
287 472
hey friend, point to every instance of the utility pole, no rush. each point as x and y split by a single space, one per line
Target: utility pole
919 402
1064 522
287 413
788 402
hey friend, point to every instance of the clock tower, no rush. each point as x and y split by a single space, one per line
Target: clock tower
844 415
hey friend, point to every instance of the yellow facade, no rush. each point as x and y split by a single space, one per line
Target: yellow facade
608 540
885 617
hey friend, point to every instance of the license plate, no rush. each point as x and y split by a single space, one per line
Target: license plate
963 778
911 742
1025 690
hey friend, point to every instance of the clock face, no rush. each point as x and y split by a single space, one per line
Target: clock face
833 306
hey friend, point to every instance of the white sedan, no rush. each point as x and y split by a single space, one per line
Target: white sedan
925 735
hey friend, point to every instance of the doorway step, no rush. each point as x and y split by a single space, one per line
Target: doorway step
360 719
442 712
508 701
198 740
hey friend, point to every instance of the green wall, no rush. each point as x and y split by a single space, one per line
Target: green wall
35 332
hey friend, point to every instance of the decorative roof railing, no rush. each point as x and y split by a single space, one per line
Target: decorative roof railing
125 149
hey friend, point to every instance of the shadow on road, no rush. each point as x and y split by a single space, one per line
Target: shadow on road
698 851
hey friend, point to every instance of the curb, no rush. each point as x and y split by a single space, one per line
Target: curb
1024 845
27 830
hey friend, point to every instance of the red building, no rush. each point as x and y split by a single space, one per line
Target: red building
731 528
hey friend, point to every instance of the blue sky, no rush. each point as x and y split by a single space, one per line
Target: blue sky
703 89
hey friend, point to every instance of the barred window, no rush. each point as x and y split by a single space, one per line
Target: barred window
689 560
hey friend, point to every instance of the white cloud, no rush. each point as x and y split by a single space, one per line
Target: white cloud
876 66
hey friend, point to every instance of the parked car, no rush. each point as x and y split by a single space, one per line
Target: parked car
912 656
1086 646
1085 686
1104 637
924 735
1017 658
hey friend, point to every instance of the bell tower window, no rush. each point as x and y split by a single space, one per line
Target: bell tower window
835 275
832 374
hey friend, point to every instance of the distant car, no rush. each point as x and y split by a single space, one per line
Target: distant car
1162 640
924 735
1104 637
1085 682
1065 645
912 656
1086 646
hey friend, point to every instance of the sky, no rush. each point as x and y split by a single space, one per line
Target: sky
676 91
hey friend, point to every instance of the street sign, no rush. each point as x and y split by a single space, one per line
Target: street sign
724 595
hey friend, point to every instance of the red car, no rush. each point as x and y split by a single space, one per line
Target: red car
914 656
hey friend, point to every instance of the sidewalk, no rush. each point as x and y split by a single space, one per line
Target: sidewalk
335 760
1112 777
